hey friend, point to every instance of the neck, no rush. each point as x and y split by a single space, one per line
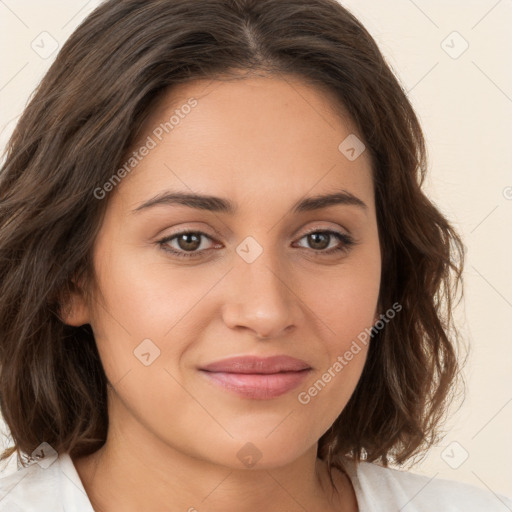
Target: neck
135 470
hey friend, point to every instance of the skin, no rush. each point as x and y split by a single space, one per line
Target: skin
264 143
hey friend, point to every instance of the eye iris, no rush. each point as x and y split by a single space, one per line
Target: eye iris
189 245
314 238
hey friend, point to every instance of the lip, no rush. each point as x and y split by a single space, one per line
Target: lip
254 364
260 378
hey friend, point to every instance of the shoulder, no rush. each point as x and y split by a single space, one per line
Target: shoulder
378 487
27 487
46 486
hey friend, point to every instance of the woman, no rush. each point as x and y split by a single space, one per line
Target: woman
220 277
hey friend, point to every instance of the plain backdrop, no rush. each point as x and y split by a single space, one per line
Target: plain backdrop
453 59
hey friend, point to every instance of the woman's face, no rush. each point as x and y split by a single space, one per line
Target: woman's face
257 283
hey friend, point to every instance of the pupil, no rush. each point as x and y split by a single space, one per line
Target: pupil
315 236
191 241
188 244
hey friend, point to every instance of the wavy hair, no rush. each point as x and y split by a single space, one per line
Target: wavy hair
71 138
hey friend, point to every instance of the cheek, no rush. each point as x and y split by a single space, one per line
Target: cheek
147 300
139 290
174 307
344 306
343 300
324 397
164 303
345 313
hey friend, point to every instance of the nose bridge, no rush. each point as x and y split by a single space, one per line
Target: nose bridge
261 299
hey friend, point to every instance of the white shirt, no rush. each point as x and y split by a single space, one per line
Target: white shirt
58 488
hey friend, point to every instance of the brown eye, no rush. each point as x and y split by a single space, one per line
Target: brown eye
319 241
188 243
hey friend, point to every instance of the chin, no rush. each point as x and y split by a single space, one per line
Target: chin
258 452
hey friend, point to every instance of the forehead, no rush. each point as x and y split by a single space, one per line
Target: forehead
262 103
252 139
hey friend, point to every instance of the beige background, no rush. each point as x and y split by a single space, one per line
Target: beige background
465 105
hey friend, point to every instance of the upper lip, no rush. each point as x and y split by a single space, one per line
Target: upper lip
254 364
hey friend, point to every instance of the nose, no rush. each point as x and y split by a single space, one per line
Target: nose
261 299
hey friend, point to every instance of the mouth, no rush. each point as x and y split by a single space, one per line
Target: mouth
257 378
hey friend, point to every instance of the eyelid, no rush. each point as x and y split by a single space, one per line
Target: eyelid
298 232
322 229
347 242
217 235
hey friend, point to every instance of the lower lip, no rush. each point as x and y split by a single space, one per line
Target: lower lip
256 385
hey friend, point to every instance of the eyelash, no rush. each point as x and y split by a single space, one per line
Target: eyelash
347 244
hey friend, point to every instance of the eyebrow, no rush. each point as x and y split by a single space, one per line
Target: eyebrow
222 205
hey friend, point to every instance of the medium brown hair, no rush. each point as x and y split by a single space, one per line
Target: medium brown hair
71 138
